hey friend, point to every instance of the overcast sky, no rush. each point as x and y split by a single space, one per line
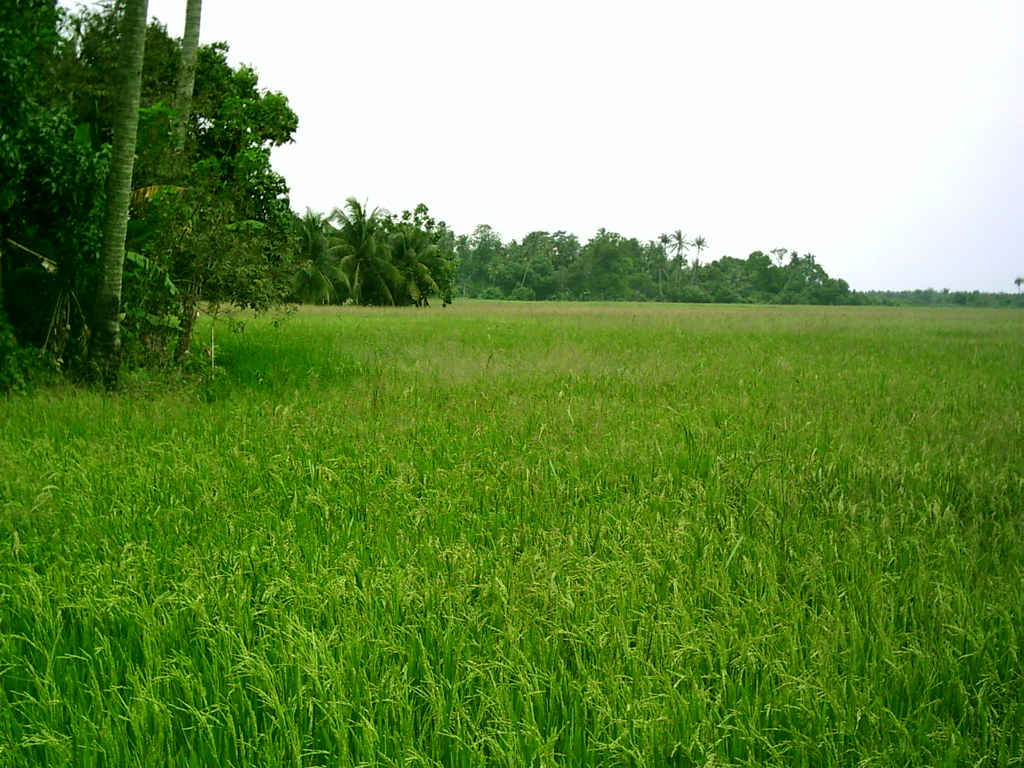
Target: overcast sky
884 136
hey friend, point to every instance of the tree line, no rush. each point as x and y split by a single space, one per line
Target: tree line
610 267
930 297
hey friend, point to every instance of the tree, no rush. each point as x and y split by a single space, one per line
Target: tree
656 264
565 257
700 244
319 278
421 250
415 257
536 260
679 245
210 222
1019 282
224 239
105 349
221 229
765 278
27 38
367 257
51 189
187 73
478 254
610 261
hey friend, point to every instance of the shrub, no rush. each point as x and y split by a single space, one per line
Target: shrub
491 292
523 293
17 363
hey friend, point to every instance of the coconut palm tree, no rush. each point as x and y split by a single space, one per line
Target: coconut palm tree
363 238
679 245
700 244
656 251
105 349
416 258
320 278
187 73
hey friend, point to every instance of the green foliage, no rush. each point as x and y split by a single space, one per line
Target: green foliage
491 293
18 364
55 213
478 254
212 220
28 32
522 293
678 245
319 278
546 264
609 261
613 267
421 249
363 239
372 257
929 297
542 542
52 191
223 230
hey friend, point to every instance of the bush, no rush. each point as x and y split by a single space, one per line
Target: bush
523 293
693 294
18 364
491 292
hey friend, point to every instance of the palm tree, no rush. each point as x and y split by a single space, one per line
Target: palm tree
680 245
700 244
105 349
656 251
187 73
373 277
1019 282
416 258
320 278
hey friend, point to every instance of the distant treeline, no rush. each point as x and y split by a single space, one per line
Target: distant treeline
930 297
609 267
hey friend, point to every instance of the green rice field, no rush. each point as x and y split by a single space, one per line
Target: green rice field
527 534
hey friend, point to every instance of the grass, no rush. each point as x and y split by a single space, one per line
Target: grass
528 535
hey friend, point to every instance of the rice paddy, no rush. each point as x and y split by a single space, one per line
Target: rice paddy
502 534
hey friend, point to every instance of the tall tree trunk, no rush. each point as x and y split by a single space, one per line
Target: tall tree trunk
183 105
105 349
187 73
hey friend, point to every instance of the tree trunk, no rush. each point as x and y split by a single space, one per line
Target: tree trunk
105 349
183 104
187 73
190 313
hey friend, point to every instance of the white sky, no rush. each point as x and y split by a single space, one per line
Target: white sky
884 136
